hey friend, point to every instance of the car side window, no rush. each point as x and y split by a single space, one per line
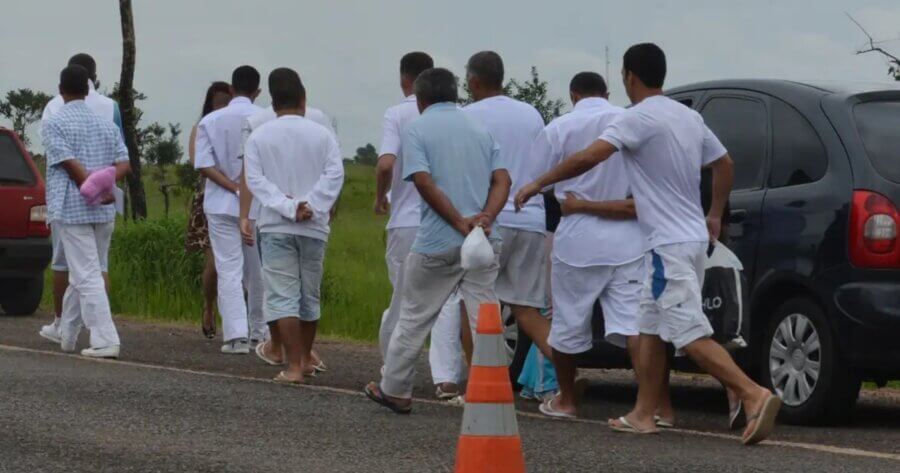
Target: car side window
741 124
798 155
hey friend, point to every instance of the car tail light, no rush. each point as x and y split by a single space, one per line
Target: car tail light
873 231
37 221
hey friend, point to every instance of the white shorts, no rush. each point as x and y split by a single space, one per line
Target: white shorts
523 272
575 290
58 261
672 301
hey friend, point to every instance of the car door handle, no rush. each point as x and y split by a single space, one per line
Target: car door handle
737 216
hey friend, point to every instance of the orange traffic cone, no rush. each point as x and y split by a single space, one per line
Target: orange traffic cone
489 442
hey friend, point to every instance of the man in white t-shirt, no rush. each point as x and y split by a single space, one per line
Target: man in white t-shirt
271 350
294 168
522 280
664 145
400 198
598 248
107 109
219 158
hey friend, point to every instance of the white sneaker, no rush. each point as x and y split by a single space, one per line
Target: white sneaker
238 346
106 352
51 331
68 346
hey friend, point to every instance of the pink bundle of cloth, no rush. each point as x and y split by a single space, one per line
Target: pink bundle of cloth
98 185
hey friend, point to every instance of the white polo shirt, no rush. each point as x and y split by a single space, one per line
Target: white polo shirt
219 144
665 144
98 103
291 160
405 199
514 125
584 240
267 114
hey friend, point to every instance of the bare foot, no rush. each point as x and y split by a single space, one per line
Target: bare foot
752 407
396 404
290 377
634 424
558 404
445 391
272 353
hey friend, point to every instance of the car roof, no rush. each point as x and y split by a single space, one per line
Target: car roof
782 88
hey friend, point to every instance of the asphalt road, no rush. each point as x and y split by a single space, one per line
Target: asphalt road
174 404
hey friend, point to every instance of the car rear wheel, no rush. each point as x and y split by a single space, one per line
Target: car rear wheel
22 296
802 365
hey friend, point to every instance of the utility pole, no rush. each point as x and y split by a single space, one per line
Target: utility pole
606 48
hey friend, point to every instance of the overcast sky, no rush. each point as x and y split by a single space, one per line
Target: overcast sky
347 52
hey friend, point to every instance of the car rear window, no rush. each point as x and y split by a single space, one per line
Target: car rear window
879 126
13 168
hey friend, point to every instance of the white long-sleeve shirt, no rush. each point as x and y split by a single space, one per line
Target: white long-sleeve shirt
289 161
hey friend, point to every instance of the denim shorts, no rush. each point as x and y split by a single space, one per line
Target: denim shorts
292 274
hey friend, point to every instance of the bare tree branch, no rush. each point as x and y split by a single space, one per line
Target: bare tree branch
894 61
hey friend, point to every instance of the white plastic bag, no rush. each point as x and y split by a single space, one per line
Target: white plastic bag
476 251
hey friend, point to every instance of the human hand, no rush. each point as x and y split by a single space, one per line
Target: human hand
570 205
108 199
525 194
304 212
714 225
248 235
482 220
382 206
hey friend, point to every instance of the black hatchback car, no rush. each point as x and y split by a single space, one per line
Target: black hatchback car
813 218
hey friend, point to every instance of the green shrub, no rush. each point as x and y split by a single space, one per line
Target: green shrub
151 275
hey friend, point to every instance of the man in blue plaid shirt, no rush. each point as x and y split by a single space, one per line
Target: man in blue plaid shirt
78 142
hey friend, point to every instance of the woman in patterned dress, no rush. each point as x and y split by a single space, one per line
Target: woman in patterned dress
217 96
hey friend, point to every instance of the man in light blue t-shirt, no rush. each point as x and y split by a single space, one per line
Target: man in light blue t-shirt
455 165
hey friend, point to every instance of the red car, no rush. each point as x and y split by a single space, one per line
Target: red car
24 235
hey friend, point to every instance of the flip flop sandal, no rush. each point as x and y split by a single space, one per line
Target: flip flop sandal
662 423
627 428
765 421
321 368
444 395
734 414
378 398
284 379
262 354
547 409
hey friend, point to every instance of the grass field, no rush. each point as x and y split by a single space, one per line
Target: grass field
152 277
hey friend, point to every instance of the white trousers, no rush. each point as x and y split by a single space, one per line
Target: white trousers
445 356
85 303
237 266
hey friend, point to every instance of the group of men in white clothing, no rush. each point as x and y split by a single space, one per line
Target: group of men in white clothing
633 234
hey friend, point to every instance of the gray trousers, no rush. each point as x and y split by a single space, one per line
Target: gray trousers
430 280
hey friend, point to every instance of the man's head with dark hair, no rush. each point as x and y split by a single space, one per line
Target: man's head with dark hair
73 83
414 63
411 65
245 81
484 74
435 86
287 90
587 84
87 62
643 67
